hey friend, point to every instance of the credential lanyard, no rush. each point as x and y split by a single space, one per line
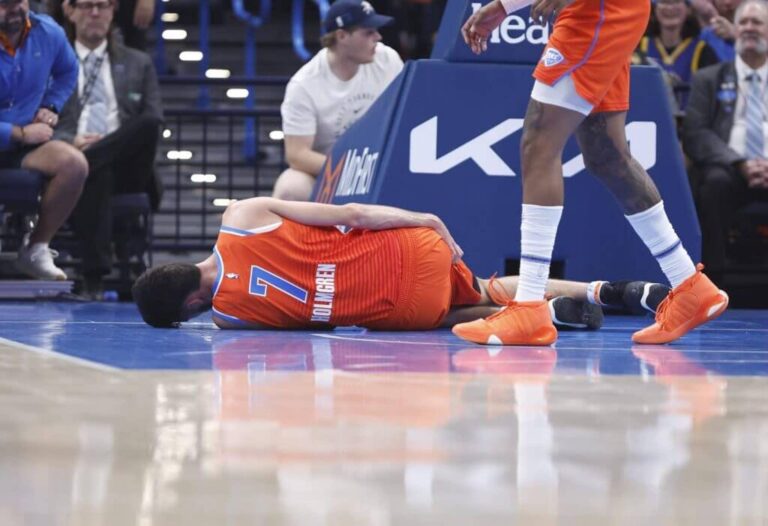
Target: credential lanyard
91 80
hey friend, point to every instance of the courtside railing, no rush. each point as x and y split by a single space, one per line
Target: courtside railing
201 160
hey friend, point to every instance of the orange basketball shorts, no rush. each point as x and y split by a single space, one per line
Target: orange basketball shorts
593 41
431 284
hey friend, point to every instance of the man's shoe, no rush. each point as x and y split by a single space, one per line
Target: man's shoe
519 323
92 288
568 313
36 260
695 301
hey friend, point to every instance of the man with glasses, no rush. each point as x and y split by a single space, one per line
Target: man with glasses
38 71
114 118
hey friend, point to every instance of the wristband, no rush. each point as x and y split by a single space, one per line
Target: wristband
510 6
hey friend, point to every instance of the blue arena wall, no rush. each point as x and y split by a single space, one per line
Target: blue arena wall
444 138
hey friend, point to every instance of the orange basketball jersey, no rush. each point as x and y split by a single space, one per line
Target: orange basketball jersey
290 275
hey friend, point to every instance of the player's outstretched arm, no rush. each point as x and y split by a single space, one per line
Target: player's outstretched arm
261 211
481 23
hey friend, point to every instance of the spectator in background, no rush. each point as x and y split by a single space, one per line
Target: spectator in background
725 133
114 118
720 32
673 42
38 71
134 18
332 91
704 10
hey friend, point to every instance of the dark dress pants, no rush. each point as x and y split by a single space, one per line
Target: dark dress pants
122 162
722 192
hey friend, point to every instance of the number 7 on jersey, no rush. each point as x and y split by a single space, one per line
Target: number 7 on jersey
262 280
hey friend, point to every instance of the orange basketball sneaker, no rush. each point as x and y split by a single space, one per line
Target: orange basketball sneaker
519 323
695 301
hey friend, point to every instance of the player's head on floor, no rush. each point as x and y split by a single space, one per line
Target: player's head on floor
169 294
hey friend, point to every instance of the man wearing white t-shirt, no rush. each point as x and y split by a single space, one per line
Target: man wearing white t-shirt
332 91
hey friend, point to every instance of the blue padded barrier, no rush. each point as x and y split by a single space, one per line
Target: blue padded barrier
444 138
518 40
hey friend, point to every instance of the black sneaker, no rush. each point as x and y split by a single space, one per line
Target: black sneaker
642 296
568 313
636 297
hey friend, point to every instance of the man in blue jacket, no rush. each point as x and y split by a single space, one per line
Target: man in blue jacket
38 72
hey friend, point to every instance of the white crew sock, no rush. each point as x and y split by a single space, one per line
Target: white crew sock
538 229
659 236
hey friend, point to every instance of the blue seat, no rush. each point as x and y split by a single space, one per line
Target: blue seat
20 190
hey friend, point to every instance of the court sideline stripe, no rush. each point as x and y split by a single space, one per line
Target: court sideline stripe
61 356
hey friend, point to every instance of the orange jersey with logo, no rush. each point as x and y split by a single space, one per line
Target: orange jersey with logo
293 276
593 41
290 275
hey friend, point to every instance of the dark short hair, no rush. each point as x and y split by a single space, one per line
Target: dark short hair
160 292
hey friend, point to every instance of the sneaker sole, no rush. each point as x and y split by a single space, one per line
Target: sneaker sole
568 313
494 340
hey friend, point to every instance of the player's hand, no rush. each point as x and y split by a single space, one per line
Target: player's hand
441 229
541 10
46 116
723 27
144 13
82 142
37 133
479 25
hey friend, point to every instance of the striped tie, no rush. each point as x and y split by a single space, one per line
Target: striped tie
755 117
97 101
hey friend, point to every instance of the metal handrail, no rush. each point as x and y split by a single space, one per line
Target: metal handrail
254 22
231 81
159 57
297 25
265 12
204 98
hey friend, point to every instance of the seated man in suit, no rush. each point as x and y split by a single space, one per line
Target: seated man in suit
724 133
114 117
38 71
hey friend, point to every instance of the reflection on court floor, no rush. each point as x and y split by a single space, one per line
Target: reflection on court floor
106 421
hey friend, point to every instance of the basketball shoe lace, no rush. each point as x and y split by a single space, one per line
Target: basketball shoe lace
498 293
672 310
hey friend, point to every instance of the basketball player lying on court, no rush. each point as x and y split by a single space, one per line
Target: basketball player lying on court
286 265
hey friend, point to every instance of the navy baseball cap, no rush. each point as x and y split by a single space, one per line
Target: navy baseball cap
344 14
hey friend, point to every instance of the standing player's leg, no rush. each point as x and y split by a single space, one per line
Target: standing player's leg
547 127
695 299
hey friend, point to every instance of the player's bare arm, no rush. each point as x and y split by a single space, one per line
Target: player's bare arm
262 211
300 155
541 10
479 25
